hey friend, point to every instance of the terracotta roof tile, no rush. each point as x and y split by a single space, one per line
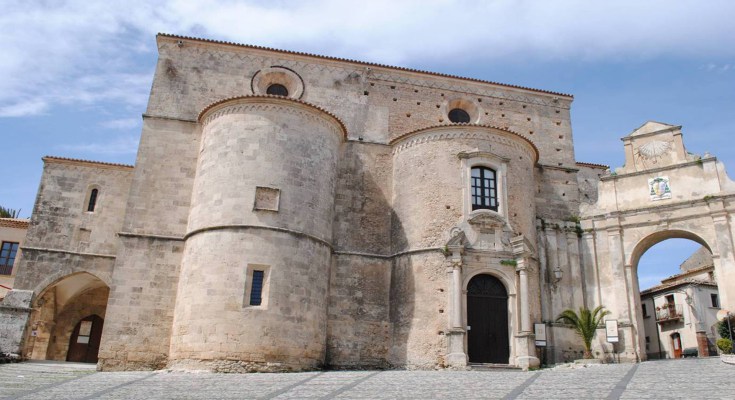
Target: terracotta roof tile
593 165
19 223
54 158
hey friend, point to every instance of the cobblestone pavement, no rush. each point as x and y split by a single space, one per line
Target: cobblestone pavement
676 379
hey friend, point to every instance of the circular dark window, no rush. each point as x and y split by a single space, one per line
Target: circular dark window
279 90
459 116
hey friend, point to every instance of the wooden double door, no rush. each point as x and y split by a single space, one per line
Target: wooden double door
487 318
84 344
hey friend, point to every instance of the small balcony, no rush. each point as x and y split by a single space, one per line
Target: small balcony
669 313
6 269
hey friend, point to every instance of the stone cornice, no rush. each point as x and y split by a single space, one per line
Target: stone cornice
241 104
69 252
465 131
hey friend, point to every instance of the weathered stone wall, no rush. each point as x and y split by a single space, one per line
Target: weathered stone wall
60 219
359 331
14 310
160 194
418 303
431 188
213 319
140 307
263 196
376 103
362 203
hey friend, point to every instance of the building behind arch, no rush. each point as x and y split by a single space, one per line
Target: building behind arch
289 211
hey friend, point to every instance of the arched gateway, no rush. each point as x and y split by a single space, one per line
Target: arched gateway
662 192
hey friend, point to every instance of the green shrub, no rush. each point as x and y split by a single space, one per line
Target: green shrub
725 345
722 328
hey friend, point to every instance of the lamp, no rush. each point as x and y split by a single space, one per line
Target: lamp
557 273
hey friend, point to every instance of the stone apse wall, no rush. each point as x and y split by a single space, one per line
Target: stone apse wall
352 193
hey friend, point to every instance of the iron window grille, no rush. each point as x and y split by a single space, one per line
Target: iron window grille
484 189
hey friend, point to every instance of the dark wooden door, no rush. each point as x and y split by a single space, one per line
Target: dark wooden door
84 344
487 317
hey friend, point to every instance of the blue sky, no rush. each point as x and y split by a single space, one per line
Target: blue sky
76 74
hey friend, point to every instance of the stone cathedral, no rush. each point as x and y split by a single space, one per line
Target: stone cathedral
289 211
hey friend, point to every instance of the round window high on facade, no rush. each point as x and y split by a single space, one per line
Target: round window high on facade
277 89
459 116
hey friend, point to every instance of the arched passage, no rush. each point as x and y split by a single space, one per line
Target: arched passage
59 315
657 237
676 295
487 317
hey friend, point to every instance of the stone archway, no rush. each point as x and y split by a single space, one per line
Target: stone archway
58 311
633 212
672 313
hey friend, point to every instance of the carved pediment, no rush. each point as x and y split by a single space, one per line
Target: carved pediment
486 220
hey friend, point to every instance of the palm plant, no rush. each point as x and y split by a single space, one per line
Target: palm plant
585 324
8 212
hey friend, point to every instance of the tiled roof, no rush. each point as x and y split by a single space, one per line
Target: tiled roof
77 160
593 165
688 272
19 223
298 53
664 287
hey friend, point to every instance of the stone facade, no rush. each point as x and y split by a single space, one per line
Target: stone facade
332 223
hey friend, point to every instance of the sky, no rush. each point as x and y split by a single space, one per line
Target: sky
75 75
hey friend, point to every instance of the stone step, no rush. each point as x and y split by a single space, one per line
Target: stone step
492 367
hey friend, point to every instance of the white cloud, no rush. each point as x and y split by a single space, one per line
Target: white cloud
117 146
23 108
81 51
122 124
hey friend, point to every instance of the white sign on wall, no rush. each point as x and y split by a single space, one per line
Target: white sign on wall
611 330
539 330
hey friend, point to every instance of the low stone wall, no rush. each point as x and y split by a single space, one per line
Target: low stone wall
14 310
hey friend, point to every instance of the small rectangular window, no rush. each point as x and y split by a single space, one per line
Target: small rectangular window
256 288
715 300
645 310
257 278
7 257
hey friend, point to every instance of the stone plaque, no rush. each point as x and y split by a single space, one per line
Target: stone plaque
266 198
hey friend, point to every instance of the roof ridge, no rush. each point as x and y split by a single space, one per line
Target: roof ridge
86 161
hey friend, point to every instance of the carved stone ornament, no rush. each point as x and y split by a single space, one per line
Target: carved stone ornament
486 221
653 150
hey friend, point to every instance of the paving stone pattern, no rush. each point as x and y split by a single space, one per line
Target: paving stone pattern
678 379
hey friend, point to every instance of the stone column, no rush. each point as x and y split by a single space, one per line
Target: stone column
525 307
589 271
526 354
725 264
456 356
